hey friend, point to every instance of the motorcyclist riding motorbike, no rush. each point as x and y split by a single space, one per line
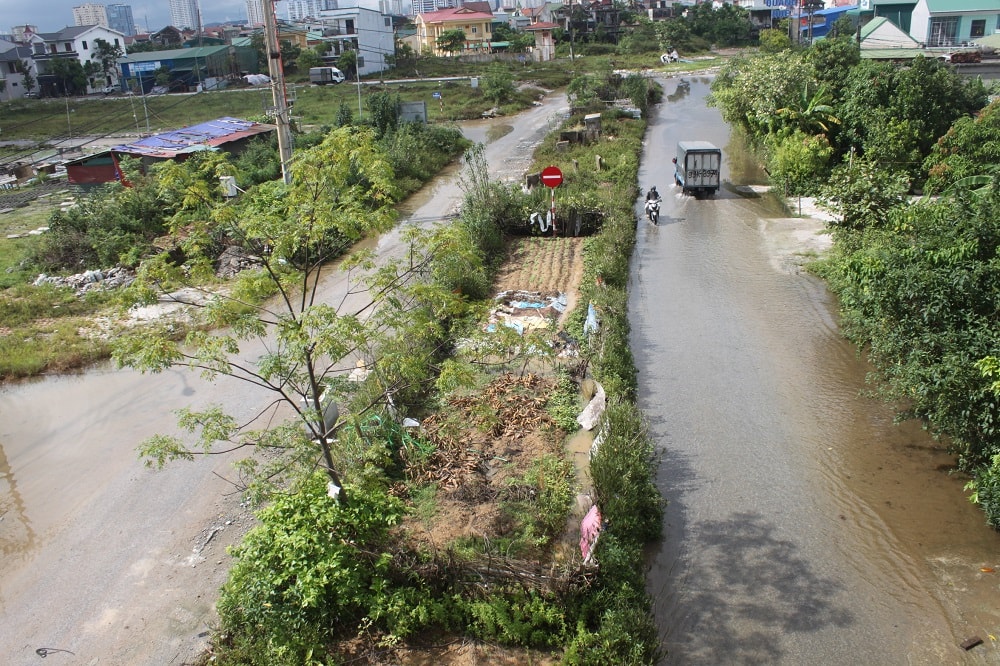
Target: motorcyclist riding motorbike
653 205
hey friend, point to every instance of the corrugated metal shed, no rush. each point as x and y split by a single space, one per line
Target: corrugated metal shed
204 136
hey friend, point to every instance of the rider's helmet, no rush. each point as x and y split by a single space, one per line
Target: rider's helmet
653 191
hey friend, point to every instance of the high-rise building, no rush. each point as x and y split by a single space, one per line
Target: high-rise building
120 19
301 9
184 14
255 11
90 14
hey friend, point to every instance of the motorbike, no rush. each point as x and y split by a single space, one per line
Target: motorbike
653 210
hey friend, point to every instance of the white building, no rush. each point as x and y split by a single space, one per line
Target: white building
184 14
77 43
90 14
255 12
299 10
363 30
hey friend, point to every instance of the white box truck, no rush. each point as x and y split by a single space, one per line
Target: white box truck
324 75
698 167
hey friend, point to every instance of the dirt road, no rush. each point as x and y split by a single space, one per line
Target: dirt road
104 561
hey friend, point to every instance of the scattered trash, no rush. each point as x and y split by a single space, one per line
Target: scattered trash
360 372
592 413
233 260
593 323
110 278
987 569
526 311
971 642
590 530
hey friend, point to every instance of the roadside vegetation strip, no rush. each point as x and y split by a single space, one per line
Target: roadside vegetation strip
915 275
488 482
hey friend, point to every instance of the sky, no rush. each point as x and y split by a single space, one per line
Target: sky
52 15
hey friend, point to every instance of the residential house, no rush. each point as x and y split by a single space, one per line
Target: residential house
366 31
545 43
764 14
897 11
12 73
168 37
819 24
77 43
293 34
544 13
477 27
881 33
954 22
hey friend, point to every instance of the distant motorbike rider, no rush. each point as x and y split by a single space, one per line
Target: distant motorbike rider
653 205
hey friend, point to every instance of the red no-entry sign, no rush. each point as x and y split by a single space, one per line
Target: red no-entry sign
551 176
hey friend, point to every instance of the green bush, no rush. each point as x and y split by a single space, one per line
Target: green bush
518 618
799 163
622 470
314 567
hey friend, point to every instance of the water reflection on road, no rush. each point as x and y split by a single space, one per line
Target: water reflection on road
804 527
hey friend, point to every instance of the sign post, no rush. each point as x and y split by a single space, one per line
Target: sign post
552 178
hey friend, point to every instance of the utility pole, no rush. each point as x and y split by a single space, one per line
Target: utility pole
277 72
571 33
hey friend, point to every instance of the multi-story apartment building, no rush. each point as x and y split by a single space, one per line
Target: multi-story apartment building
255 12
299 10
184 14
120 19
90 14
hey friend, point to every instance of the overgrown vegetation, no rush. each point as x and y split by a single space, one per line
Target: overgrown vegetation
168 208
809 111
371 580
916 277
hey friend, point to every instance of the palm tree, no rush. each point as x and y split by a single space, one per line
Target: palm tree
813 115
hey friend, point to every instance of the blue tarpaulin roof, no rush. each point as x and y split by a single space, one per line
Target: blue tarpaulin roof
204 136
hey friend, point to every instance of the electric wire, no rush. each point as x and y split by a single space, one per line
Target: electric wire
64 138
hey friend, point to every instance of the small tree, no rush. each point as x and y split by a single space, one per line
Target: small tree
71 77
774 41
498 84
307 60
106 55
300 346
451 41
24 69
345 115
383 108
862 193
348 63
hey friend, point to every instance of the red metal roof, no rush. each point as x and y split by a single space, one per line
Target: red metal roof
542 25
455 14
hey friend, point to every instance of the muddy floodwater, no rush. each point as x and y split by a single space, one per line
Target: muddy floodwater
803 525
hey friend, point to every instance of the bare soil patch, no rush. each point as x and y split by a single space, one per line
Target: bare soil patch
482 443
541 263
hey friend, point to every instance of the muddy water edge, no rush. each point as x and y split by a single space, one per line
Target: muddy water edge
803 526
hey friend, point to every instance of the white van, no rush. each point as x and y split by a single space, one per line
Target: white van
324 75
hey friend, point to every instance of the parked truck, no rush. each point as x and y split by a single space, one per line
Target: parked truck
324 75
697 167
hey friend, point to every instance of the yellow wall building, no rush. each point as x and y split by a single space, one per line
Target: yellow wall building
476 26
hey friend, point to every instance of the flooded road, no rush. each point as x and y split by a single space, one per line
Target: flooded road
105 561
803 526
